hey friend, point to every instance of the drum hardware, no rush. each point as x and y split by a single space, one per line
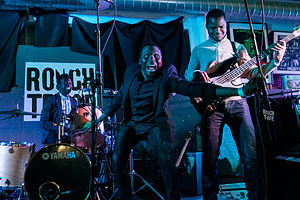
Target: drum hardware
61 128
22 192
132 173
94 85
14 113
103 145
17 112
93 139
104 180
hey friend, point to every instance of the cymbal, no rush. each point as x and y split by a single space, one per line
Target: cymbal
18 112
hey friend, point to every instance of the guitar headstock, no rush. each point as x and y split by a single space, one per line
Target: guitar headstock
188 135
296 32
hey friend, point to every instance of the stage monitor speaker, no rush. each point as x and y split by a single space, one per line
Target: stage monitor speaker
190 182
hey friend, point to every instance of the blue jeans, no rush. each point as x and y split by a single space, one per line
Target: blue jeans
236 115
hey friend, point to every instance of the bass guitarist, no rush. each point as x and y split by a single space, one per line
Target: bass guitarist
209 57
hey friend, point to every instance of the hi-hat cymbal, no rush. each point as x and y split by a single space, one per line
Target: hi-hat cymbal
18 112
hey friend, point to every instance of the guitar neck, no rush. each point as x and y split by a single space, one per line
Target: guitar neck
237 72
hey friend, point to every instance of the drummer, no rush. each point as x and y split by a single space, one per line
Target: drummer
54 108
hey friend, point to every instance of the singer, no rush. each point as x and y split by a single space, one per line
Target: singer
144 96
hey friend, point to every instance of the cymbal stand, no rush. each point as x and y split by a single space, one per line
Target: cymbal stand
61 128
22 192
106 174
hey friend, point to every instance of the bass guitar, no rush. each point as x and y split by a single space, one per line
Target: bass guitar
205 106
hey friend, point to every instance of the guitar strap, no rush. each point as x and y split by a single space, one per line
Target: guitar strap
233 47
226 64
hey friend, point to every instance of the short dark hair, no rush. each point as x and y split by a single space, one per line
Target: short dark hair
150 44
215 13
62 76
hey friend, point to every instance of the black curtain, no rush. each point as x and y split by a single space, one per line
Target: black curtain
11 23
127 39
51 30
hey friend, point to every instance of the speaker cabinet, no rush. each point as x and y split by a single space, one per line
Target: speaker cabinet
185 118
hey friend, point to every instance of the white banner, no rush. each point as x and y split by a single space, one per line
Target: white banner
40 82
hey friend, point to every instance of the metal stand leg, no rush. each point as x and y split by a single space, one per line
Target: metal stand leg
21 192
133 173
105 177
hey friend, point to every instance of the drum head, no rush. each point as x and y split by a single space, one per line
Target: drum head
60 166
83 114
79 117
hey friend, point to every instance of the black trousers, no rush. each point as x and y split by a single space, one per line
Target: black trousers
128 136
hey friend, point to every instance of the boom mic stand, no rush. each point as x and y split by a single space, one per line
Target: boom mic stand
93 138
262 193
94 85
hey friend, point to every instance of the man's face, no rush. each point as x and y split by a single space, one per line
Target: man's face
216 28
150 60
65 86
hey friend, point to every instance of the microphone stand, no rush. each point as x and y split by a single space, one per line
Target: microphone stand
93 137
259 96
96 84
99 72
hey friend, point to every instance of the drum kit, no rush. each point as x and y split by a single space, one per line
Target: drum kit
62 170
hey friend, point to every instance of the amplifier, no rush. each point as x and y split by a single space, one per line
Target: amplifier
190 181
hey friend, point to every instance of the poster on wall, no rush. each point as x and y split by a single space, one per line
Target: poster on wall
291 81
40 82
240 32
290 63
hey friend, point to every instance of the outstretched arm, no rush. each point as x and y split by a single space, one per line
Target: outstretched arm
251 87
210 91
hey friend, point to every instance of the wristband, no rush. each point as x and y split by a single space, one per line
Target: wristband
240 92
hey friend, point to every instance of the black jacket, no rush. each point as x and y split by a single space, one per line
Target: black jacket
51 115
164 84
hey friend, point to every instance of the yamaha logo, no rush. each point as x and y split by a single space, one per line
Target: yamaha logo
45 156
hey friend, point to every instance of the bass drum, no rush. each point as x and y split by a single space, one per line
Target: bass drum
58 171
13 160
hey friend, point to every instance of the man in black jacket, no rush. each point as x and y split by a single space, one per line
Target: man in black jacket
55 107
144 97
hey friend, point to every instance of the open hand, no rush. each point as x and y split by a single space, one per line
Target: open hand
201 76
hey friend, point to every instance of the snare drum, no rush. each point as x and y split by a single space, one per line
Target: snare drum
13 160
58 171
79 117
